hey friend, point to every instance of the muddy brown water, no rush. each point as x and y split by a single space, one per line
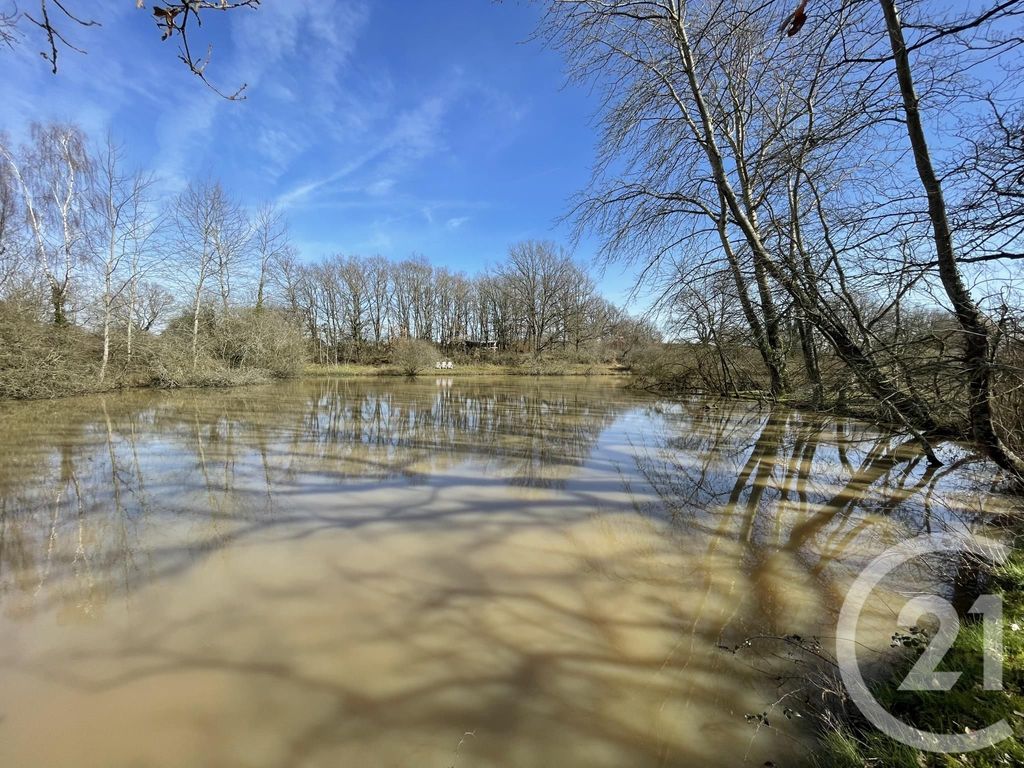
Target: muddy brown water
446 572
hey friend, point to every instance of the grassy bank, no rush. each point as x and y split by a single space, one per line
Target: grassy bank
849 741
543 368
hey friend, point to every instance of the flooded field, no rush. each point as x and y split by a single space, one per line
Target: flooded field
446 572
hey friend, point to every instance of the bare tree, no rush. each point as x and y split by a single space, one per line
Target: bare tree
52 176
581 311
287 276
10 230
124 225
379 288
354 298
979 332
230 234
8 24
196 222
145 300
703 119
270 244
536 274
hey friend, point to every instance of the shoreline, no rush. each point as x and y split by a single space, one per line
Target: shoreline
544 368
255 377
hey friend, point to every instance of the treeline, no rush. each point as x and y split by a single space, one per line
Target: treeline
832 216
105 282
537 301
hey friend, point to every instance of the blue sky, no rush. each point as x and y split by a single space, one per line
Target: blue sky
382 126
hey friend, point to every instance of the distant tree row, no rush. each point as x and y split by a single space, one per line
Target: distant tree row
537 300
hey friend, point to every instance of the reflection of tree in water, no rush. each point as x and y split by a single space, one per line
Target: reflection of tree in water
495 577
81 490
72 494
802 488
81 481
528 432
825 468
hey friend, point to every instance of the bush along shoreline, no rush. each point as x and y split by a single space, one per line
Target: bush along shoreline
41 360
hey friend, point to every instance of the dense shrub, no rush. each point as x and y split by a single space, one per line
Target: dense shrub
663 366
261 339
412 356
41 360
682 366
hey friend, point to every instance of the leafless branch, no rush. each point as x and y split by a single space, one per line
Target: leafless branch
175 18
171 19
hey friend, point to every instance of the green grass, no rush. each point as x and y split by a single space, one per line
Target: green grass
856 744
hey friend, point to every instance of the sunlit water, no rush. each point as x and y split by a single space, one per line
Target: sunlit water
451 572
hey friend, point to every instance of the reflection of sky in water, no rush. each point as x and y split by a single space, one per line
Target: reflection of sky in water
359 571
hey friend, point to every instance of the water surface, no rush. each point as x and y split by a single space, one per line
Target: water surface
447 572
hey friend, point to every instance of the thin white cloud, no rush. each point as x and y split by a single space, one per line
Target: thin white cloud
415 134
301 192
380 187
286 53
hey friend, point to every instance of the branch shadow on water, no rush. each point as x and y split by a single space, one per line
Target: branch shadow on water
375 569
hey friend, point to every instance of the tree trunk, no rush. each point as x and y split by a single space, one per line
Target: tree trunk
195 332
259 294
106 340
810 354
132 298
777 365
977 328
761 338
58 298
